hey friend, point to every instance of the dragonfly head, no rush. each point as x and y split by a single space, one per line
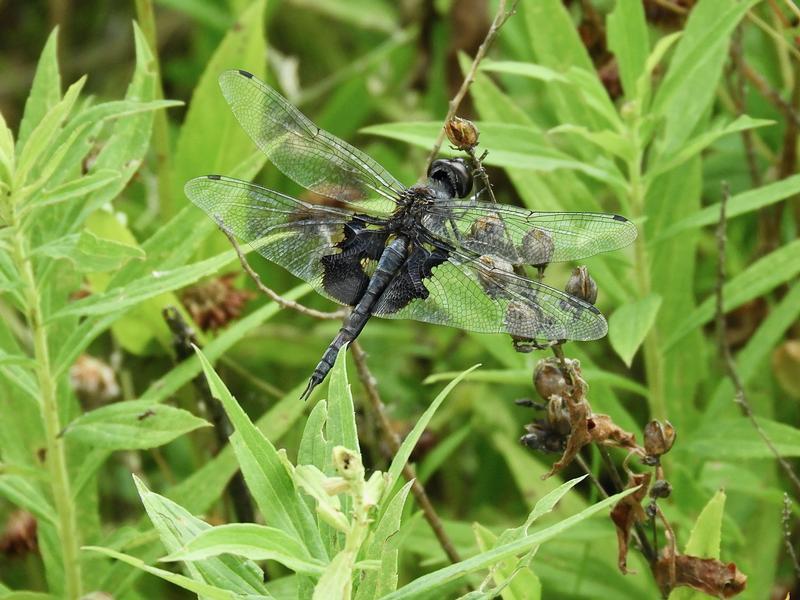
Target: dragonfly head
454 174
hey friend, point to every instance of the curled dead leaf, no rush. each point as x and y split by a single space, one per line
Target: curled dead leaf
626 512
707 575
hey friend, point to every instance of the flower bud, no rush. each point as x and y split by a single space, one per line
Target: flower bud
462 133
581 285
658 438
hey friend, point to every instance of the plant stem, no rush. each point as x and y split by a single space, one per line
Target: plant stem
653 360
368 380
56 456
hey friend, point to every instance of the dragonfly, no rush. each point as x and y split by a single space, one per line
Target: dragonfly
433 252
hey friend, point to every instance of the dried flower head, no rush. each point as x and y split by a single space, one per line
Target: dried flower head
93 380
581 285
216 302
19 536
462 133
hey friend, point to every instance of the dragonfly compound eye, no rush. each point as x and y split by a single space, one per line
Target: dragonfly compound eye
455 173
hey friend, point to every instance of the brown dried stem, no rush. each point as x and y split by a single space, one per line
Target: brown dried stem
730 364
771 94
371 386
284 302
499 20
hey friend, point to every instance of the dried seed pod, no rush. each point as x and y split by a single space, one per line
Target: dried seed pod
549 380
661 489
581 285
658 438
93 380
462 133
216 302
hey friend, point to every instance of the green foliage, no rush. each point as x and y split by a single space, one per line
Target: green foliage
97 238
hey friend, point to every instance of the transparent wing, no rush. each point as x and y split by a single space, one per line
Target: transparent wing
480 293
314 158
323 245
523 237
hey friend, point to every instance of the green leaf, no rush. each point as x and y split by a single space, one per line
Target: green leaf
608 140
525 69
518 582
45 131
203 590
89 253
629 325
704 540
545 505
154 284
690 84
7 156
341 424
211 140
740 204
736 438
22 492
256 542
366 14
523 377
75 188
176 527
628 40
266 476
432 582
132 425
701 142
313 447
384 546
25 595
401 458
763 275
45 91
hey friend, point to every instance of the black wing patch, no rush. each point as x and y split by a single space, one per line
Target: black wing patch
328 247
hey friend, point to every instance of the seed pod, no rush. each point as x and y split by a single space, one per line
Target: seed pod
462 133
658 438
661 489
581 285
548 380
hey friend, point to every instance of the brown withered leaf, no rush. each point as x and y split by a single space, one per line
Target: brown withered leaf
579 435
626 512
603 430
707 575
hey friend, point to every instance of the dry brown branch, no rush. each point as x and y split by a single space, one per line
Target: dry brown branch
371 387
284 302
499 20
771 94
730 365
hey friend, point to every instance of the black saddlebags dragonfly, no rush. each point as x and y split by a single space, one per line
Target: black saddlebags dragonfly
425 252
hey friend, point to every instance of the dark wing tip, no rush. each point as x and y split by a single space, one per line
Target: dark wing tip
620 218
247 74
214 177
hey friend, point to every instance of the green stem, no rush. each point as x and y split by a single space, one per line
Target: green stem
55 457
653 359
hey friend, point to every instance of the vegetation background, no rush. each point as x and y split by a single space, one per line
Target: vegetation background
639 108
